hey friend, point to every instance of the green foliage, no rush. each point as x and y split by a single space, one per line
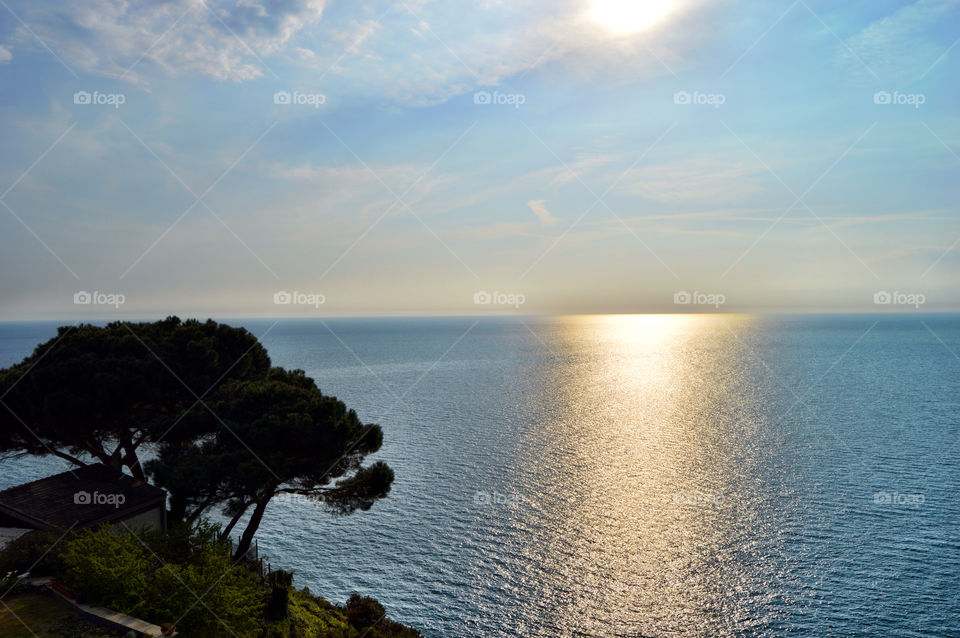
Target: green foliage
280 582
312 617
113 568
391 629
34 615
280 578
36 551
364 612
104 391
276 630
108 567
125 383
10 584
302 441
180 542
207 596
158 576
110 389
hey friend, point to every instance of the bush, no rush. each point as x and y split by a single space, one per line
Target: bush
158 576
364 611
180 543
392 629
368 616
10 584
36 551
113 568
280 583
108 568
277 630
312 617
230 598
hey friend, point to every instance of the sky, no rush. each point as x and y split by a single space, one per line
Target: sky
332 157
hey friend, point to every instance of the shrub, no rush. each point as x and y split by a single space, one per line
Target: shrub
209 596
113 568
364 611
10 584
280 583
312 617
36 551
277 630
181 542
108 567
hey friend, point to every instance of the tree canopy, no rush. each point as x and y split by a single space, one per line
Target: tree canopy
103 392
227 429
273 435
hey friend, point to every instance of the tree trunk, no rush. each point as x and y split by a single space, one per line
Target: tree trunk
247 538
130 459
229 528
67 457
178 508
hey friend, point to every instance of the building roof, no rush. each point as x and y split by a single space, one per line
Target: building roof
79 498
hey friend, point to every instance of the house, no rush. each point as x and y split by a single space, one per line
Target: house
82 497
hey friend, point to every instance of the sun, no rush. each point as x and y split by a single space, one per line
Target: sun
622 17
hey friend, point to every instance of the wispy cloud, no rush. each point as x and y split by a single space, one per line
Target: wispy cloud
412 52
223 41
706 177
538 206
904 44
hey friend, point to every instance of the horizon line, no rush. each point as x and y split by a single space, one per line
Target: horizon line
226 317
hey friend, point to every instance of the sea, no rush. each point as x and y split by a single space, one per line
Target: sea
632 475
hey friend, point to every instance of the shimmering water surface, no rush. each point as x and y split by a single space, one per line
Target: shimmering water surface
635 475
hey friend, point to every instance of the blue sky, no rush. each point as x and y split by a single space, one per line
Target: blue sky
784 155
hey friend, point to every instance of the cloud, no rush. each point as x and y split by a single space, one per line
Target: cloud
361 180
902 45
351 191
540 210
710 177
414 53
501 230
423 57
114 38
5 54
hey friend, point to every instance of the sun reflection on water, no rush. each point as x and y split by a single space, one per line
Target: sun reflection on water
640 464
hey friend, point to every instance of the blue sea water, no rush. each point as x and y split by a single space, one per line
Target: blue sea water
721 475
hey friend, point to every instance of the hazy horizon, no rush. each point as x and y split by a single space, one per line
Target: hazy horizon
383 158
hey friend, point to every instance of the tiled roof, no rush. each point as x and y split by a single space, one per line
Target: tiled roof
80 498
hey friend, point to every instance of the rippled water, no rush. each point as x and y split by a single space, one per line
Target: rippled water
636 475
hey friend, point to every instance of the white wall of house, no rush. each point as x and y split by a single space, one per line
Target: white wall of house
152 519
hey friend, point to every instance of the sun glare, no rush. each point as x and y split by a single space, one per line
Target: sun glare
622 17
